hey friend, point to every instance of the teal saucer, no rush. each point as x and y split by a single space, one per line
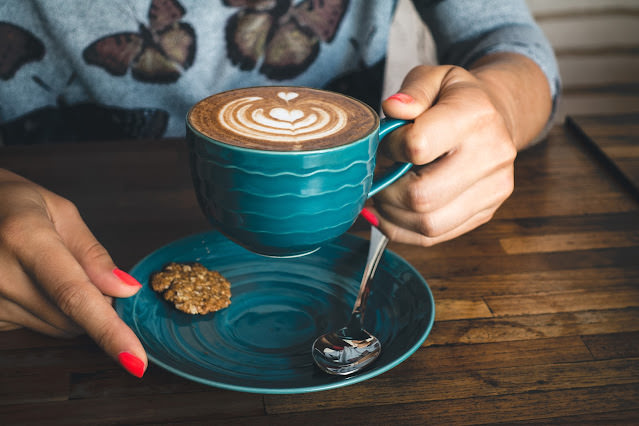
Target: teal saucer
262 342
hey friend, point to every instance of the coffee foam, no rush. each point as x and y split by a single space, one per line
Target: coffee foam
283 118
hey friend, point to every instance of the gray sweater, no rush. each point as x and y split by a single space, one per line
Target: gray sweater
104 69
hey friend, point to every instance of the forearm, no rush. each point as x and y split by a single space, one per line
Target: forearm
488 38
520 90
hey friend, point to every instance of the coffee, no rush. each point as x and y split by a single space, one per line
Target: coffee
278 118
283 170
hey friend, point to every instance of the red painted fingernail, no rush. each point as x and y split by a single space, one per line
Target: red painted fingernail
370 217
132 364
402 97
126 278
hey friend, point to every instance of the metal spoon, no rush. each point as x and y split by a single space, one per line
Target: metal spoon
351 348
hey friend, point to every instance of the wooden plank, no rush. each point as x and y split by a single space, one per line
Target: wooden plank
166 166
561 186
569 241
600 183
620 128
592 31
534 226
534 282
386 389
618 345
573 301
35 385
24 339
596 103
115 382
524 327
211 406
563 202
550 7
485 241
575 365
455 358
585 71
542 406
523 263
625 417
79 358
554 155
620 147
452 309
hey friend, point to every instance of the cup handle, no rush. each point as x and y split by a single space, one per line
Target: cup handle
398 170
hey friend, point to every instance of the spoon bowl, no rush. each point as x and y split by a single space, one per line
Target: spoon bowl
351 348
341 353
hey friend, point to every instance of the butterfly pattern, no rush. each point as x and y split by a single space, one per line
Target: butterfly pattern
17 48
157 53
284 38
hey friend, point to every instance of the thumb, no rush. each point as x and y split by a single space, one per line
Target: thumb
419 92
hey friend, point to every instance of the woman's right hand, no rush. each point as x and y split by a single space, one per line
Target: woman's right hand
55 277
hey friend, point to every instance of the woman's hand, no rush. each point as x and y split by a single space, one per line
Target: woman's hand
55 277
468 126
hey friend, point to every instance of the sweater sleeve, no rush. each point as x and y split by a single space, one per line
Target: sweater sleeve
466 30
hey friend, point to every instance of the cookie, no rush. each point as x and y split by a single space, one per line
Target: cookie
192 288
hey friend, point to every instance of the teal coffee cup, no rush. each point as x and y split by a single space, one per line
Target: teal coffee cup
283 170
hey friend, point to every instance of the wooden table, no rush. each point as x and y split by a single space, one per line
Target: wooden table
537 311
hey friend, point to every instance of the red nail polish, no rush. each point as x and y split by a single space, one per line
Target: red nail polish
370 217
401 97
126 278
132 364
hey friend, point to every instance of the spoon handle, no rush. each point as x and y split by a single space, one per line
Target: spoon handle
378 242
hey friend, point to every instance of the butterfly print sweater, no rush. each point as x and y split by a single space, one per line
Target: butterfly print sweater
73 70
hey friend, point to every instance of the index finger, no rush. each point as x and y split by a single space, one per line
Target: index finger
49 262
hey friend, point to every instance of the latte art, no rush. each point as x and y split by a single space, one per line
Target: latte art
283 118
287 118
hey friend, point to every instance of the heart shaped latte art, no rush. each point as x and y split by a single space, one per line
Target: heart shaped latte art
286 115
287 96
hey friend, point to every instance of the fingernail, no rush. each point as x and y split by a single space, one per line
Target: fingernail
132 364
401 97
126 278
370 217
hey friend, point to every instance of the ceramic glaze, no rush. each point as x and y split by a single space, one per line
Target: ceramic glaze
285 202
262 341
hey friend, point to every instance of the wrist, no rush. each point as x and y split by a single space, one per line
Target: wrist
519 91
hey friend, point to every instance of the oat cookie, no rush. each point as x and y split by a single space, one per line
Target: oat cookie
192 288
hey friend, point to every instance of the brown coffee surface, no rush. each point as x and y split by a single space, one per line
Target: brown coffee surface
282 118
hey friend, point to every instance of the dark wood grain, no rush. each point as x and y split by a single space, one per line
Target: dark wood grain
537 311
616 137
